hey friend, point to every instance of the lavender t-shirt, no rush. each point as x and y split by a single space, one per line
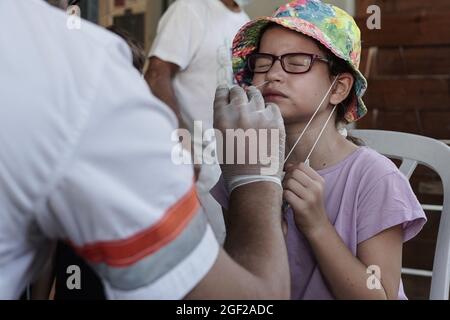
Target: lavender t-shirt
364 195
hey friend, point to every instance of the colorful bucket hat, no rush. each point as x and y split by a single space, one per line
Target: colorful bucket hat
329 25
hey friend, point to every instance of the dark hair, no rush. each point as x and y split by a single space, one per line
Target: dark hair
137 51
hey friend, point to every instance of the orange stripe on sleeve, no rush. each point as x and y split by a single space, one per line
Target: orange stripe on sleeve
125 252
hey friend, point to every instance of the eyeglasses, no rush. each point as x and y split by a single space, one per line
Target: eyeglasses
295 63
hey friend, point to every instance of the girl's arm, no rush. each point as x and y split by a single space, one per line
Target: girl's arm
350 277
347 276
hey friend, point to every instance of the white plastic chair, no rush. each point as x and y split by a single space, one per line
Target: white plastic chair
413 150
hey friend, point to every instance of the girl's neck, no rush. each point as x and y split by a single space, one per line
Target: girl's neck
330 150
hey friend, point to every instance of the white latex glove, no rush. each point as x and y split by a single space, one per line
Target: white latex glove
246 114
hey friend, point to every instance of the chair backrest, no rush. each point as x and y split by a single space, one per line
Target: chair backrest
413 150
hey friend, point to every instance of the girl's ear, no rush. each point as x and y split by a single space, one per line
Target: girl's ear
342 88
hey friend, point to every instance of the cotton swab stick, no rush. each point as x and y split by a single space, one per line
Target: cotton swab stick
262 84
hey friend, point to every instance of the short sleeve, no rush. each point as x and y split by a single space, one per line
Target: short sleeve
179 35
390 201
121 201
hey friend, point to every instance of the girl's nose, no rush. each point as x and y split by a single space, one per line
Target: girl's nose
276 72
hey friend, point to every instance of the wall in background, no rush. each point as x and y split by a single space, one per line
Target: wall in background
266 7
407 63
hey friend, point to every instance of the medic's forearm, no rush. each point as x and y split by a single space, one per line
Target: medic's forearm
254 234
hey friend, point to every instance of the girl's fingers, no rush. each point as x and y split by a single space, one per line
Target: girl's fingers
305 175
294 186
302 178
310 172
289 166
292 198
298 204
303 193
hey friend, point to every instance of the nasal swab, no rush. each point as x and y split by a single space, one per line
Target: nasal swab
262 84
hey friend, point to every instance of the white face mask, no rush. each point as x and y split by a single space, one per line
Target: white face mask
243 3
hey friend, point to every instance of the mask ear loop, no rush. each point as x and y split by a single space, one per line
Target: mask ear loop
310 120
286 205
320 135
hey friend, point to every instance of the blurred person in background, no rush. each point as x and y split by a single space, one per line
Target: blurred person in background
190 57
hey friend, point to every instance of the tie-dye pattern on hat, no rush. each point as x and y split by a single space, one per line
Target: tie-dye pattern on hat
328 24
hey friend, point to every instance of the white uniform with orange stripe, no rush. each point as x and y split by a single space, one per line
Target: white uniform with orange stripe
85 156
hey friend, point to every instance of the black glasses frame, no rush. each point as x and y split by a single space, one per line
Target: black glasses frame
274 58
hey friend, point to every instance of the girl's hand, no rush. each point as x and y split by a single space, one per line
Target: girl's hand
304 191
